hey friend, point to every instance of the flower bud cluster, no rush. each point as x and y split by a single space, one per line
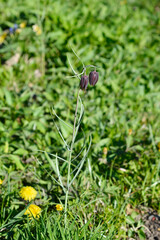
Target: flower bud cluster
93 78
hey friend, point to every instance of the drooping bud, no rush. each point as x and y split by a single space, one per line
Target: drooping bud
93 78
84 82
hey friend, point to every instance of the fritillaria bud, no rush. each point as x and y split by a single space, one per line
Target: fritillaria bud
84 82
93 78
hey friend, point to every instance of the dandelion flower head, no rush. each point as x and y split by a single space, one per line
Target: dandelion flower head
33 211
37 29
105 150
28 193
1 181
23 25
2 37
59 207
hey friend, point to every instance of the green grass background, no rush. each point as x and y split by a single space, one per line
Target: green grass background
122 38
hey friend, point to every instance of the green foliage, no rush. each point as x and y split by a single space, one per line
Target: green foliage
122 39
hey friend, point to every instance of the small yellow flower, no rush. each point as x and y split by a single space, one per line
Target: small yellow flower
37 29
130 131
18 30
1 181
105 150
59 207
3 37
28 193
23 25
33 211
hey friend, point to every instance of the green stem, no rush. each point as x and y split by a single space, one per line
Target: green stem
70 157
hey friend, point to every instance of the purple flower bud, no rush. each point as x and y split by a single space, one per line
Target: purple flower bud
84 82
93 78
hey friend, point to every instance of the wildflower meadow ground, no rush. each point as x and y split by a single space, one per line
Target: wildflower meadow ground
79 119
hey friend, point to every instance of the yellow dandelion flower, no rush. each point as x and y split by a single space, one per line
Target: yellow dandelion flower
33 211
1 181
28 193
2 37
37 29
59 207
105 150
23 25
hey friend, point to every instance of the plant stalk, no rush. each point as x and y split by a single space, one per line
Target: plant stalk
70 158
